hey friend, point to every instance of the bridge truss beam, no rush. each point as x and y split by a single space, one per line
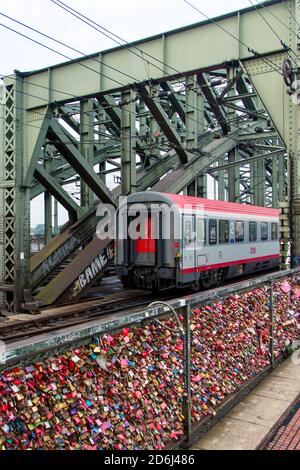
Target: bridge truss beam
209 124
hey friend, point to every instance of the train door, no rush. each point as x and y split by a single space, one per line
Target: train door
201 248
189 247
145 245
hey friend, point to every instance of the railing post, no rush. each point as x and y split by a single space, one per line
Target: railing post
187 375
271 311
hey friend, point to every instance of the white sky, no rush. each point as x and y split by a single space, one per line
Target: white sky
129 19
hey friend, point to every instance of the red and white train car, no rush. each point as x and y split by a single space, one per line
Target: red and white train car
181 240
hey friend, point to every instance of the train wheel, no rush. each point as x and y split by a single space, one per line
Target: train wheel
196 287
206 282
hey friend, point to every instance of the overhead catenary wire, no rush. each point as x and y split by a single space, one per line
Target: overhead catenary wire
262 5
293 16
60 53
106 32
108 135
257 8
69 47
208 128
127 45
53 50
86 112
251 50
190 106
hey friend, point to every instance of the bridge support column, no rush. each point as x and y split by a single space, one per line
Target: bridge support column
14 200
194 122
87 148
128 131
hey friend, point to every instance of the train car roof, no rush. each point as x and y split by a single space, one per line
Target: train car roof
206 204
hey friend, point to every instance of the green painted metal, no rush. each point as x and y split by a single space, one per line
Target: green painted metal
119 125
128 136
86 129
152 175
64 171
37 136
211 98
181 177
77 161
77 80
57 191
162 119
48 231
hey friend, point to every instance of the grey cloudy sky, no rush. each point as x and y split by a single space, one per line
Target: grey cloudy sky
130 19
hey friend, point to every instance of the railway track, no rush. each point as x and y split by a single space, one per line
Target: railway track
70 315
52 319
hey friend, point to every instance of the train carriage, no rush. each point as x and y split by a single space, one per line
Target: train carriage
167 240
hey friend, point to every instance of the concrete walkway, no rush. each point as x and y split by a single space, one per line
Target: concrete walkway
252 419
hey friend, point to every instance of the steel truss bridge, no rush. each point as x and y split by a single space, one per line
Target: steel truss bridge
209 109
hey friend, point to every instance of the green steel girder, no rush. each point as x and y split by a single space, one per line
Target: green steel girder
230 84
86 148
243 161
38 146
250 112
64 172
257 136
152 175
76 160
159 114
241 97
246 98
268 147
181 177
176 104
68 118
51 185
173 48
109 105
128 142
211 98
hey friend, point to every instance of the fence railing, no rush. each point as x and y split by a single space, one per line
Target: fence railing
198 360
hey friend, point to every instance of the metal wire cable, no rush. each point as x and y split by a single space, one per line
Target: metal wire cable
190 106
208 128
109 34
73 49
60 53
272 29
88 21
267 61
261 5
67 46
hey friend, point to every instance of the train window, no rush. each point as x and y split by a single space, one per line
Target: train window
239 231
212 232
201 232
252 231
274 231
264 231
223 231
188 231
